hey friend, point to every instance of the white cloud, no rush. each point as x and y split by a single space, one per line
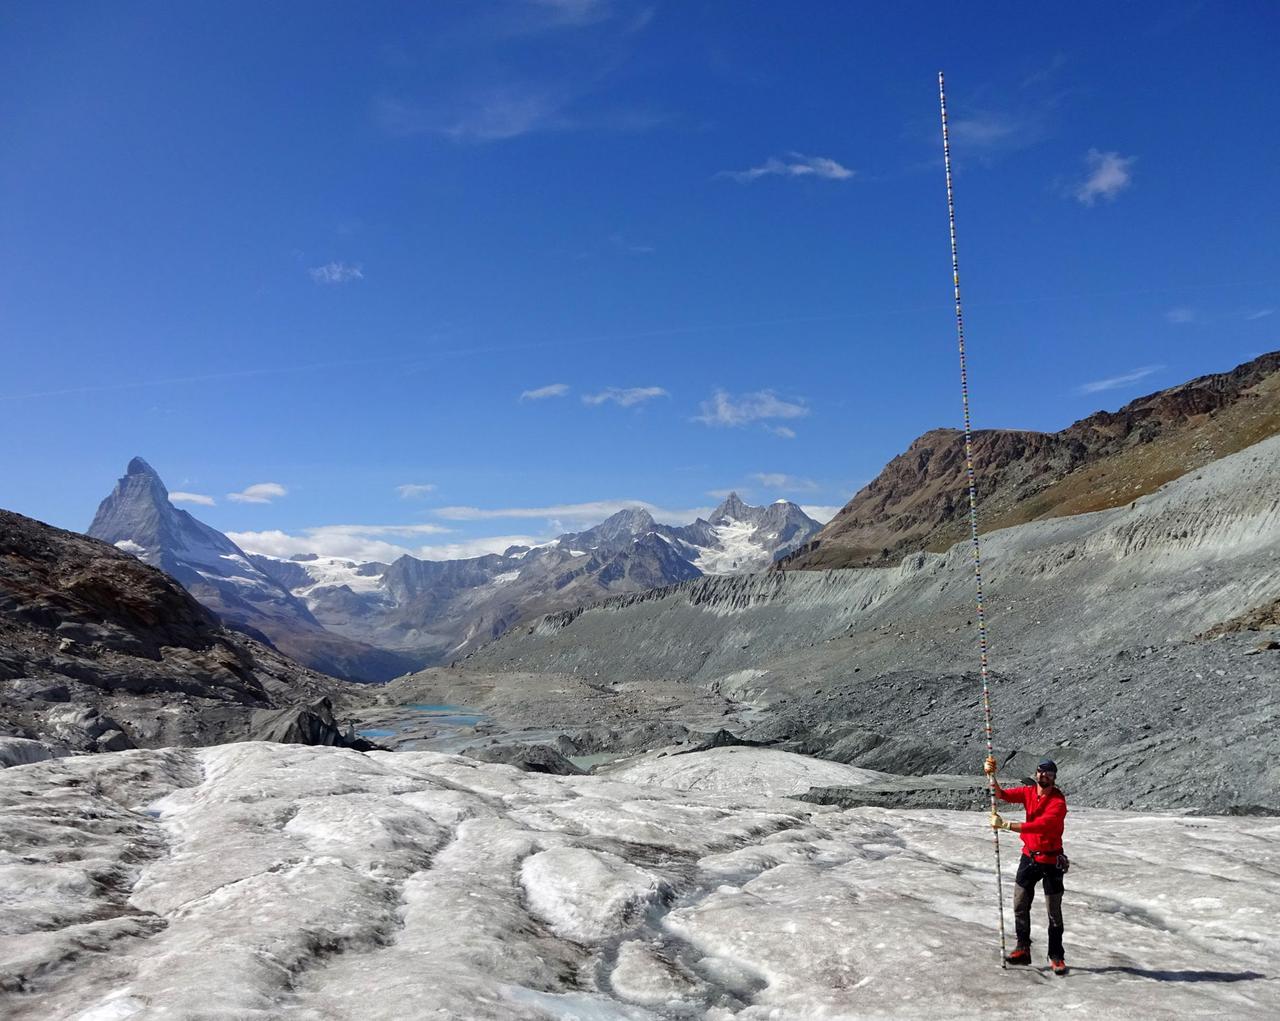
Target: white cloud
1109 174
261 492
543 392
726 410
795 165
572 515
820 513
356 542
625 397
783 431
1181 315
1115 382
722 494
778 480
336 273
1262 313
200 498
476 547
412 490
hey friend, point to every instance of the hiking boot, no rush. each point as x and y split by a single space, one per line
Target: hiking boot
1022 955
1059 966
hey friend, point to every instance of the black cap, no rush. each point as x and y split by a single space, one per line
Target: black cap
1048 765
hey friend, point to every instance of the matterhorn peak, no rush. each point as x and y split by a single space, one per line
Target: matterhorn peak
140 467
138 511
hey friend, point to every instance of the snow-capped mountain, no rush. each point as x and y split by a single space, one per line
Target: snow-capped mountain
138 518
443 610
745 538
372 621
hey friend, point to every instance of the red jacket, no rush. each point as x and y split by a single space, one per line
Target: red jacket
1046 815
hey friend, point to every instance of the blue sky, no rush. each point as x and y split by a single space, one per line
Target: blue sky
536 260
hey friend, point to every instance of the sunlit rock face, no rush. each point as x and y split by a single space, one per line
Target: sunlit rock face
269 881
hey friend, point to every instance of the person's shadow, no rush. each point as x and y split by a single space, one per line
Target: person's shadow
1175 976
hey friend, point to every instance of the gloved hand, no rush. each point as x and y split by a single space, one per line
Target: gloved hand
989 766
998 823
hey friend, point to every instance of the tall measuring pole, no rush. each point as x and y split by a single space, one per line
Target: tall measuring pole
973 499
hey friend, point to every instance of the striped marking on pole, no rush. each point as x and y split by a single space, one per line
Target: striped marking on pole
973 498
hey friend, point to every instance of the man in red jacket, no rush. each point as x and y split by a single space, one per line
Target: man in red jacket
1042 857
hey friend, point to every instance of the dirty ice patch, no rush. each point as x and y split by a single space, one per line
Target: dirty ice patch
754 771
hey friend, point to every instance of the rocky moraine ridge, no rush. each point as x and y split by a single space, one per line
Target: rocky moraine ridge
1117 638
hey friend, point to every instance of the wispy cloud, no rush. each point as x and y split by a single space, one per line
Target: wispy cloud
984 130
795 165
200 498
503 113
790 483
1115 382
413 490
336 273
552 15
722 494
570 514
1181 315
723 409
490 116
1262 313
1108 175
625 397
786 432
575 12
260 492
543 392
622 244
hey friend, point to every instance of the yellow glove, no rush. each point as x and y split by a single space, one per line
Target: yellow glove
997 823
989 766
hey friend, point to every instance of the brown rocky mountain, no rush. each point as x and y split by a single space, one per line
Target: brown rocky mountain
100 652
920 499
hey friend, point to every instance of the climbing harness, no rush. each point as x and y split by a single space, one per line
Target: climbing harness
973 499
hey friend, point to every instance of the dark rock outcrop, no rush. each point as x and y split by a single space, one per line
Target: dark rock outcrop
531 758
101 652
722 739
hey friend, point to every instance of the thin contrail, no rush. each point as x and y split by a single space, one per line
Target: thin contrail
176 380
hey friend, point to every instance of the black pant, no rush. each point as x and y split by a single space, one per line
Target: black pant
1031 872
